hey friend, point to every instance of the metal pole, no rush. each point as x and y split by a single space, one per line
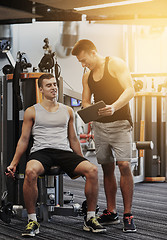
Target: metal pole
60 97
4 132
0 135
59 179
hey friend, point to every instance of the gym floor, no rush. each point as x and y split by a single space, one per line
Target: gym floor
149 210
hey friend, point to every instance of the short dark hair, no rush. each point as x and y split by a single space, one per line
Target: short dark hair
44 76
83 45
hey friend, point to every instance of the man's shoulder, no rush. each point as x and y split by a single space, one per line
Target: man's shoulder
69 110
116 64
30 109
116 60
65 107
30 112
62 105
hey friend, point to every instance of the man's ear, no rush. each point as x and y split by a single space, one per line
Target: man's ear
93 52
41 89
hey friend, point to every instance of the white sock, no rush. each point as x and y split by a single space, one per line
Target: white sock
32 216
90 214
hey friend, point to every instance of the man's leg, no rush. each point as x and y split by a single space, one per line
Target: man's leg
110 186
30 191
126 185
91 192
91 186
33 170
109 215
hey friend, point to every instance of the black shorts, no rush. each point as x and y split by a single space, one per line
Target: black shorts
67 160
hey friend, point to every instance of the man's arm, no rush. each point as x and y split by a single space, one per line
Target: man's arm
72 136
119 70
86 93
23 142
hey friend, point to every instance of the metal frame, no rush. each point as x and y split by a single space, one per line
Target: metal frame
3 133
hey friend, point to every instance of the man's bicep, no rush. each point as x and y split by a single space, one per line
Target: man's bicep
123 75
71 125
86 93
125 80
27 123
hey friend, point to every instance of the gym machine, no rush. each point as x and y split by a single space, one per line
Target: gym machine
137 163
6 209
51 194
149 119
50 201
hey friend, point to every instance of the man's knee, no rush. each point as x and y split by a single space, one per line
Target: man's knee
33 170
108 168
31 174
92 171
124 167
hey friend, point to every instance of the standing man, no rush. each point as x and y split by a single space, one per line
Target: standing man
55 143
109 79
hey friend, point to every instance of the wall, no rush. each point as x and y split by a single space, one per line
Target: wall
29 38
146 46
151 49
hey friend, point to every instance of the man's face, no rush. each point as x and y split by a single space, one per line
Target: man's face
87 59
49 88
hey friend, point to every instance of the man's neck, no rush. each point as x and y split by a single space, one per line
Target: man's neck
99 63
49 104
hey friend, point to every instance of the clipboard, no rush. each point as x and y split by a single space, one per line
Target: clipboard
90 113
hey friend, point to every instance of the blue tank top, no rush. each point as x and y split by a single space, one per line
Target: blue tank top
109 90
50 129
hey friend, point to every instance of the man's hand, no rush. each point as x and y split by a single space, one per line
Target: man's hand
108 110
10 171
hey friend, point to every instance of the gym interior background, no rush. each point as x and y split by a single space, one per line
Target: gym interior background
136 33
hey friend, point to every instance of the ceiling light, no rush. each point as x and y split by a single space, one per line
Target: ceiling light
110 5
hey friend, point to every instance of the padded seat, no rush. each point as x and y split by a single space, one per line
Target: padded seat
55 170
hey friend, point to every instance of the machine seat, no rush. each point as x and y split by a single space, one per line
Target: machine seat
55 170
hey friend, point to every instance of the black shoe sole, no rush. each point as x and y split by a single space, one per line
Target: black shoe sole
110 223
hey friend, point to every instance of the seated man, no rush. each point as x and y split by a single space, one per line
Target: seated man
55 143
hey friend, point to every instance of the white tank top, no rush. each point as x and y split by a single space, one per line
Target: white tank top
50 129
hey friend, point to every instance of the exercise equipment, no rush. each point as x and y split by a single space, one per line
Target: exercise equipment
6 207
138 151
149 110
51 202
149 114
87 139
8 69
138 85
51 194
5 47
48 62
24 94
